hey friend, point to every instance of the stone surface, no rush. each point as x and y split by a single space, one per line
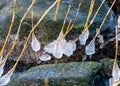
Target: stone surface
61 74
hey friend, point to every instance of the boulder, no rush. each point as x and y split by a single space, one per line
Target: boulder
60 74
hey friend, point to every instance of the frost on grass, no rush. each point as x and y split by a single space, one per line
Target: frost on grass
84 37
35 44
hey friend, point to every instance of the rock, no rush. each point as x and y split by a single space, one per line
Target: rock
61 74
108 65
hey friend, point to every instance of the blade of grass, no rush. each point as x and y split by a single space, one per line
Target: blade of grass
57 9
15 40
27 40
91 22
103 21
10 29
68 30
65 18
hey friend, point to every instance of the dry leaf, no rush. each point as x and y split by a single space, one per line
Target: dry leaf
84 38
35 44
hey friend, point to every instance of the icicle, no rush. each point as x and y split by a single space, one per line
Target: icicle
35 44
45 57
5 78
119 22
101 40
84 37
84 57
101 46
2 67
90 48
115 74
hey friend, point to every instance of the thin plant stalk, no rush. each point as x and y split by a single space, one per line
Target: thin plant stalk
27 40
10 29
91 22
65 18
68 30
90 12
98 31
15 40
57 9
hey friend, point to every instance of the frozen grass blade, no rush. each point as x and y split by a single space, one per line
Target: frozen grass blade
91 22
27 40
88 17
35 44
90 48
84 38
2 67
98 31
6 78
15 40
114 81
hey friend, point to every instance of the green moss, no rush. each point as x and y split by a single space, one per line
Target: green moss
38 74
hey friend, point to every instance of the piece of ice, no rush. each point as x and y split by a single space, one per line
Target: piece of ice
72 44
119 22
115 74
5 78
2 67
45 57
118 37
50 47
35 44
90 48
58 51
84 38
101 39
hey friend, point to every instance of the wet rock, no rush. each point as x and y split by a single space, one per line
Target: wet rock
61 74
